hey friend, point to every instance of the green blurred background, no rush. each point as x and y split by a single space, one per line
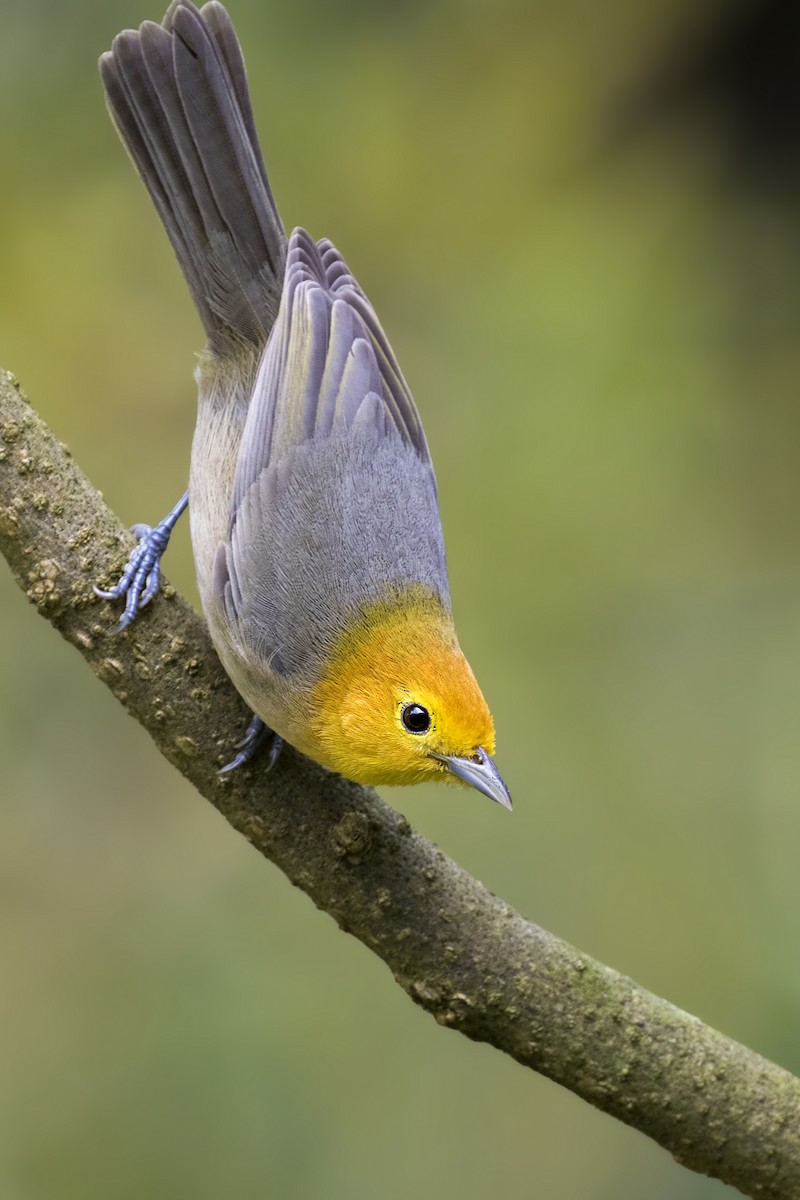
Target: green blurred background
579 225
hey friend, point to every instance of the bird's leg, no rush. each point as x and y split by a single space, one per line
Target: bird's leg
257 735
140 579
139 582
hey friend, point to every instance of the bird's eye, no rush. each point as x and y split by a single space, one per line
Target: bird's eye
416 718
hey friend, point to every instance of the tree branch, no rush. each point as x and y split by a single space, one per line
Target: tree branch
459 952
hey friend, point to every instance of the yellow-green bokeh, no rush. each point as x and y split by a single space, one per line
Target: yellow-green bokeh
602 336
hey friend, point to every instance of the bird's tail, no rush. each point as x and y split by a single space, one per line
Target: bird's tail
177 93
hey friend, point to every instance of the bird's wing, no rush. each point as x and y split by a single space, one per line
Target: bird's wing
334 498
327 367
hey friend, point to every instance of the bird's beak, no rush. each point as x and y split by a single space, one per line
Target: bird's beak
479 772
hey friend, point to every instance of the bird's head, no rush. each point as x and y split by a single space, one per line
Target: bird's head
398 702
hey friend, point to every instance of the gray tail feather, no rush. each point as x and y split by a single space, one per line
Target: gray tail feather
177 93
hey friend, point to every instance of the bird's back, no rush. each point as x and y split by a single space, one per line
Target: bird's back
334 499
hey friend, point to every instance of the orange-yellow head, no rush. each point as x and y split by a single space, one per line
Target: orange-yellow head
398 703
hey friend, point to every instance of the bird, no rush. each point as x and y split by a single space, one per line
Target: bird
312 499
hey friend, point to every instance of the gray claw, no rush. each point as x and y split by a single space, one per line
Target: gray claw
140 580
256 736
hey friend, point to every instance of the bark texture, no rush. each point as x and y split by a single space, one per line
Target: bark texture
460 952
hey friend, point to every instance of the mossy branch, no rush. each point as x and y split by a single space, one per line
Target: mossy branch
461 953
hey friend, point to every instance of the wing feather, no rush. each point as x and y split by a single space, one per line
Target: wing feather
327 354
332 440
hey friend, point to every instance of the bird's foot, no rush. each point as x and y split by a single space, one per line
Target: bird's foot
257 735
140 580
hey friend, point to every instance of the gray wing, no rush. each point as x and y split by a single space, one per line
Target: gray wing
327 367
334 498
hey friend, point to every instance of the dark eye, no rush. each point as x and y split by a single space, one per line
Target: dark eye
416 718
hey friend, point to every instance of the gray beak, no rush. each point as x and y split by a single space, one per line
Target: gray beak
479 772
